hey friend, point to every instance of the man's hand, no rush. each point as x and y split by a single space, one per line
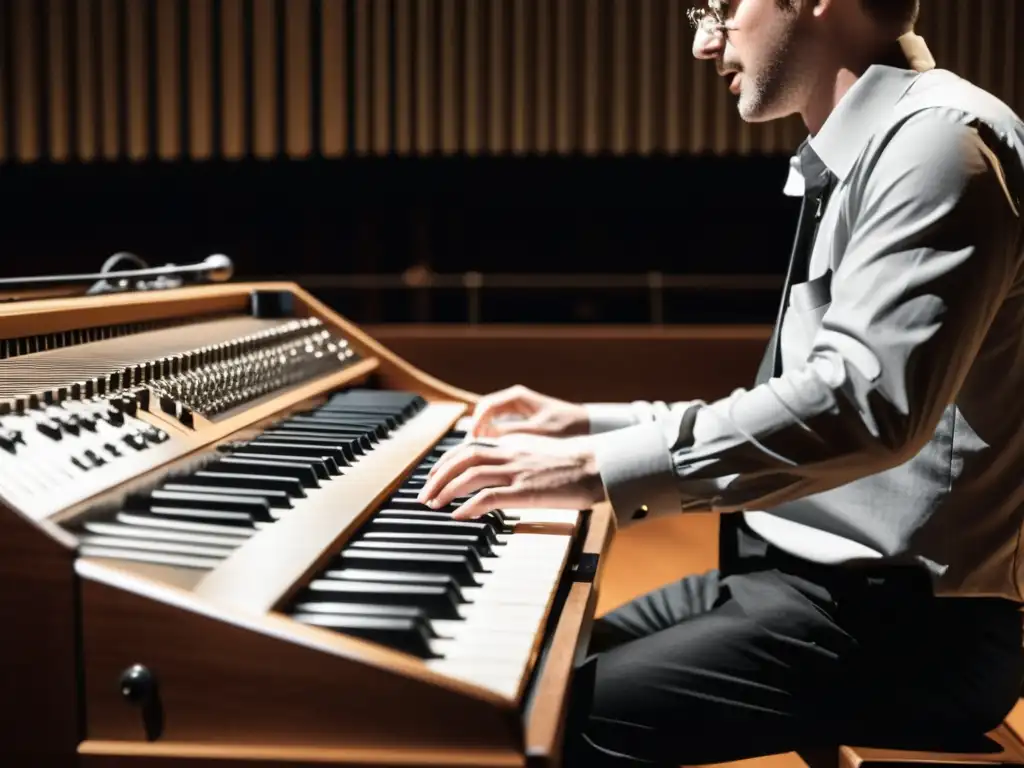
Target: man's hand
517 471
532 413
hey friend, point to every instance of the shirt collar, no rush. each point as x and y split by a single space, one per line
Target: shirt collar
862 109
867 104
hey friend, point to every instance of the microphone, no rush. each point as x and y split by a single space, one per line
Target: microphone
215 268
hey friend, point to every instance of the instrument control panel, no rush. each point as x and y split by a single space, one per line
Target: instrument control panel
51 446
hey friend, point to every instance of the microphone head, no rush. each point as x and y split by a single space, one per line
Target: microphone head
219 268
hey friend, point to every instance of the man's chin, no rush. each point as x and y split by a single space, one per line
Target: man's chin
754 110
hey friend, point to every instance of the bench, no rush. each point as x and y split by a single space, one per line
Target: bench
1002 746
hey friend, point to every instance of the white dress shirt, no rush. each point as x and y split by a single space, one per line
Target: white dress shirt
896 428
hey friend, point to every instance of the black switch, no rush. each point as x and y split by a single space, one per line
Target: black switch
155 435
50 428
136 441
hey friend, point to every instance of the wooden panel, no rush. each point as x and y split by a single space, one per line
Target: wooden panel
58 74
608 364
225 678
135 73
38 659
298 91
430 76
333 79
264 82
169 84
110 24
25 76
200 16
233 118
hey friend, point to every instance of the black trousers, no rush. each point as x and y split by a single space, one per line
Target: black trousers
779 654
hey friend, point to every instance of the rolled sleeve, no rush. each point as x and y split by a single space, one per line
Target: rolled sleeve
636 469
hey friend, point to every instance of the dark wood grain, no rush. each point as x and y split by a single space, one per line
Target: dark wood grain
586 364
38 645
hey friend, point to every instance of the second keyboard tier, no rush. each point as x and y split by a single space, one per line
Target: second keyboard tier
469 598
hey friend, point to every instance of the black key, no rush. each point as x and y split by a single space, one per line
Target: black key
332 457
450 565
482 547
344 453
405 502
145 520
374 432
376 422
375 411
154 558
389 399
215 516
358 438
407 635
353 445
428 514
464 551
397 577
150 533
364 609
264 482
436 602
405 524
317 457
165 547
257 509
271 465
275 499
318 467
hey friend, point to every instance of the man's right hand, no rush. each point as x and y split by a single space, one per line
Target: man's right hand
520 410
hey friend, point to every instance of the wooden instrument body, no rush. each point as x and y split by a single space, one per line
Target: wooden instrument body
239 683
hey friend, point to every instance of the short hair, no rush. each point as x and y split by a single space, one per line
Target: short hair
901 12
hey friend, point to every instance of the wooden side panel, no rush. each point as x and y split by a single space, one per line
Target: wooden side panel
38 670
222 681
545 721
584 364
118 754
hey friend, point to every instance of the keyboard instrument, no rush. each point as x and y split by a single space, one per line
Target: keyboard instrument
211 551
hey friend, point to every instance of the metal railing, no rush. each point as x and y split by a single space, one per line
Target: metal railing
474 284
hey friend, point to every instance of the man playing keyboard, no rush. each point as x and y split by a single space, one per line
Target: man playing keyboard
870 481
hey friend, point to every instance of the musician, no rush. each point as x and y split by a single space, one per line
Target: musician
870 481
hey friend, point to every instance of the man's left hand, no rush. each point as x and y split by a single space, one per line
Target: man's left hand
515 471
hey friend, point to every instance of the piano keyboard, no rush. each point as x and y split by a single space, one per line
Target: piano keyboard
470 598
211 548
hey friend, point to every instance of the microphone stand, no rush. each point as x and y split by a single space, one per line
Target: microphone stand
216 268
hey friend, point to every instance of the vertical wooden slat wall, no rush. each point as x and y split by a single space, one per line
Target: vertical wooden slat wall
92 80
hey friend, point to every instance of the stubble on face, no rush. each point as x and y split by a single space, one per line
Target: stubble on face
768 54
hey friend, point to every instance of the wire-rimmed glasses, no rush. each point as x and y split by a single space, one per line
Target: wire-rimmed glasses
712 15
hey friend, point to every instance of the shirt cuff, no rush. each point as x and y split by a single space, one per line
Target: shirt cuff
636 469
605 417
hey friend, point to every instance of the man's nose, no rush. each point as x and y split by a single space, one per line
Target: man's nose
708 43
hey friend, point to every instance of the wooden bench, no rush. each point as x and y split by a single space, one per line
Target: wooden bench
1002 746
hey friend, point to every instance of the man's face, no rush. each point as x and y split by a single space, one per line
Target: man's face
759 51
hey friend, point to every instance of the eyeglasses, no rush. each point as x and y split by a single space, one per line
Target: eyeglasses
712 15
